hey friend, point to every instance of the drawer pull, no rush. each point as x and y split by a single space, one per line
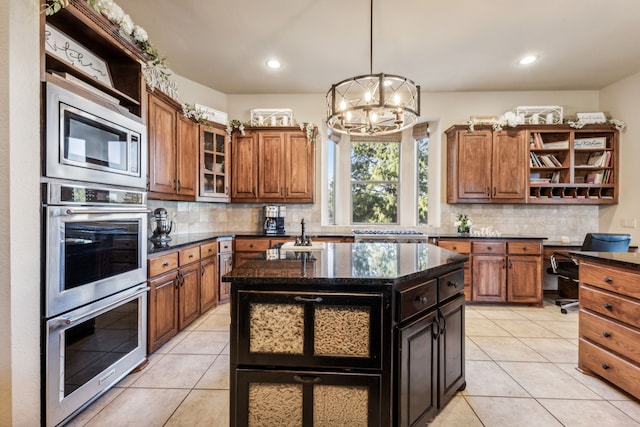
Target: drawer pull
190 255
606 334
304 299
452 284
307 379
608 307
422 300
605 366
607 280
165 264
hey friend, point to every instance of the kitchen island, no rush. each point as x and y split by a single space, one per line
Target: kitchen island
351 334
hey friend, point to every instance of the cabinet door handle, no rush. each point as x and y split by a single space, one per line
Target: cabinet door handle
510 264
444 323
307 379
494 191
310 299
504 264
608 307
607 280
488 192
606 334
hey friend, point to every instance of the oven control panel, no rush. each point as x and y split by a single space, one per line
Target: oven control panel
70 194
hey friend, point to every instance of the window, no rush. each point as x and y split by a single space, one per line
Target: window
422 157
375 168
378 180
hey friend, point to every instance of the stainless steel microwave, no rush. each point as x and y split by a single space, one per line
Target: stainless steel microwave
88 142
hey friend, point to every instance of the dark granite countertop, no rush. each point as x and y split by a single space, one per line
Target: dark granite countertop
346 263
501 237
181 240
620 259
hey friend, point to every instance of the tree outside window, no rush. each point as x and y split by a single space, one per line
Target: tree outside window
374 182
423 181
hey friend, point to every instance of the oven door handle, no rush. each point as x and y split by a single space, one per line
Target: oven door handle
105 211
65 321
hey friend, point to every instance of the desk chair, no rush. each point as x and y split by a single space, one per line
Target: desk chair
565 266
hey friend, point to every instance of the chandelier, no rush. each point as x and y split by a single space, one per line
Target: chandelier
373 104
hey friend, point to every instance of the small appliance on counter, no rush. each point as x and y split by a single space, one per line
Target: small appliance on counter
161 225
274 219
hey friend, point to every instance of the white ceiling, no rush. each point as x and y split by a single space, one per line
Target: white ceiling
443 45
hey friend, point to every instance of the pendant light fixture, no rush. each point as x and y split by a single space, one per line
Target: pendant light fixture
373 104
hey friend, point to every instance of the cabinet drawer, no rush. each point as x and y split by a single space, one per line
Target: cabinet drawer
208 249
257 245
524 248
460 246
612 279
225 245
611 305
163 264
489 247
345 330
615 369
610 334
189 255
450 284
417 299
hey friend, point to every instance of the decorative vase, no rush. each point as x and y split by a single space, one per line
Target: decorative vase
464 230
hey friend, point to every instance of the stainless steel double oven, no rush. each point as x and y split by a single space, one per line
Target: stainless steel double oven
95 226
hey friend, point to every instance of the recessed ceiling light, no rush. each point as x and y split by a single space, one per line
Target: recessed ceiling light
273 64
528 59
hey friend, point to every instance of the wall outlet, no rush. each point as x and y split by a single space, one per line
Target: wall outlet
629 223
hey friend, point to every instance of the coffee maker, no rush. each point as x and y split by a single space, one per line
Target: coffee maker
161 225
274 219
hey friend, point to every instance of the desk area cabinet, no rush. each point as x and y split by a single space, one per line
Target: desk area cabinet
609 344
500 270
537 164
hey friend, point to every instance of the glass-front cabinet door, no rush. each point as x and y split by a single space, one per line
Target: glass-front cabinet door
214 163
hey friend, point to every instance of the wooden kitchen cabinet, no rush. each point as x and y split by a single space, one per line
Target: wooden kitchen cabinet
214 163
272 166
609 327
486 166
163 310
208 276
183 284
225 264
541 164
188 294
173 150
500 270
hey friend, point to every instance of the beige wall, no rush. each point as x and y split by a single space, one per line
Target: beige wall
20 213
621 101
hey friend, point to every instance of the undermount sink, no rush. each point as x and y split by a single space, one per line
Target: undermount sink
315 246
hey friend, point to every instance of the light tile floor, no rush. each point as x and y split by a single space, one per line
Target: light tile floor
520 371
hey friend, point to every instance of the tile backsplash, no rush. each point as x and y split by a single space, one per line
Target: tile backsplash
550 221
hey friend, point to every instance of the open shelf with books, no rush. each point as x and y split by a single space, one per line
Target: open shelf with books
573 166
